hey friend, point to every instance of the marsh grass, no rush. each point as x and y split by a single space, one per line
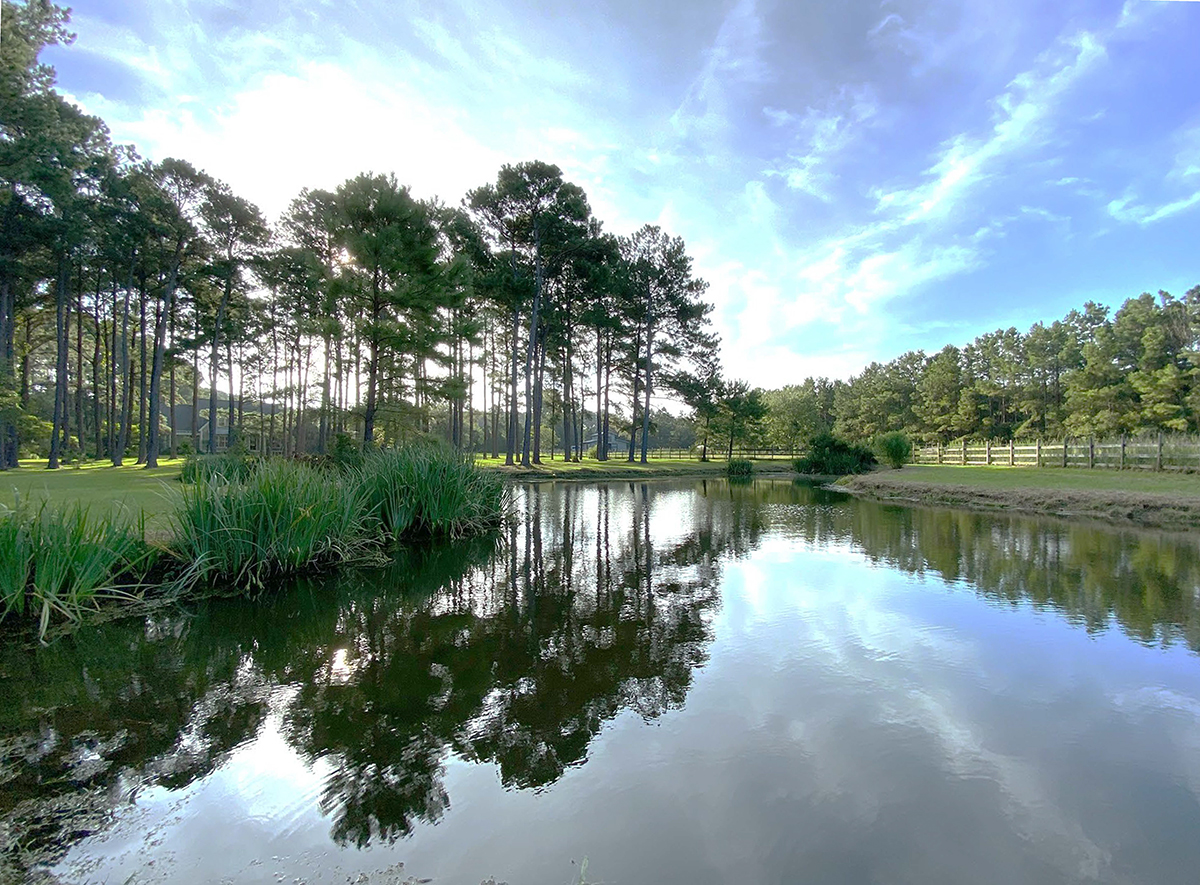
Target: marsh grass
60 563
229 465
283 519
428 491
240 526
739 467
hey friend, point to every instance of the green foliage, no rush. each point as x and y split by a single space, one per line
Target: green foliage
289 517
283 518
230 466
894 448
831 456
427 490
63 562
346 452
739 467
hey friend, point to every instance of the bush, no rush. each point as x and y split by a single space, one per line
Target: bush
828 455
739 467
894 448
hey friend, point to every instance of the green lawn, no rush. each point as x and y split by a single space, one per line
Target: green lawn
98 486
1060 479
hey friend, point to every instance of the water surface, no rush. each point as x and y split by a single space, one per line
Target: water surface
676 681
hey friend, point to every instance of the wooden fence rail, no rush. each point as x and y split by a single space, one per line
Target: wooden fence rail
1127 453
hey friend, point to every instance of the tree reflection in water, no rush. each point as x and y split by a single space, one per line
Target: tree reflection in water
514 651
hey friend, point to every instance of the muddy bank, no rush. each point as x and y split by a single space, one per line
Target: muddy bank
1121 507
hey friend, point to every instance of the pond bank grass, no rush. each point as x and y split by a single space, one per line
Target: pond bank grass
62 562
239 530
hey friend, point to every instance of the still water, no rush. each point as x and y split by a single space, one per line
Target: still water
640 683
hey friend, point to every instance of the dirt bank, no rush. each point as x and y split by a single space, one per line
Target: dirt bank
1176 512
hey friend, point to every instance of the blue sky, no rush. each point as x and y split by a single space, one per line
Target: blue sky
854 180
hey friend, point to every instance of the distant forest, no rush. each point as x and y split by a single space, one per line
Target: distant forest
1088 374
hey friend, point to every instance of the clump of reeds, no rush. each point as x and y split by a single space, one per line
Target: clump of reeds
64 562
282 519
230 465
739 467
427 490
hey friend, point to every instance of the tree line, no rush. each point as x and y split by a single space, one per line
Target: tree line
139 297
1094 373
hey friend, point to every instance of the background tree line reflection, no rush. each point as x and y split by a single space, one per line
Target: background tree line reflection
514 651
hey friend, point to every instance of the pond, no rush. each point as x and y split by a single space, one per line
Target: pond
684 681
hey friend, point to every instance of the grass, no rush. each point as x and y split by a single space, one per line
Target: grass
98 486
428 490
1056 479
1153 500
237 528
61 562
283 519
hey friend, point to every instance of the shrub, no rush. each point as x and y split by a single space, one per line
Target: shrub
739 467
894 448
831 456
346 452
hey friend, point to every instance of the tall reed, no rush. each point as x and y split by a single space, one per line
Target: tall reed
283 519
428 491
63 562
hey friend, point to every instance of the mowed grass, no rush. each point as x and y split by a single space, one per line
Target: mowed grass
99 487
1186 485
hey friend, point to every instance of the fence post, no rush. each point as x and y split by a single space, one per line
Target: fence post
1065 438
964 452
939 451
987 451
1158 460
1091 452
1039 451
1122 451
1012 452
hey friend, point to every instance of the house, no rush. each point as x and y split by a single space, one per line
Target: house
254 432
617 444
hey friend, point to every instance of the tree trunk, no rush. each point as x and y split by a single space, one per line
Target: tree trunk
214 357
646 410
60 364
8 321
161 318
142 379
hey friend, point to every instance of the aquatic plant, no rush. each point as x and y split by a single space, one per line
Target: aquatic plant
739 467
230 465
428 490
63 562
284 518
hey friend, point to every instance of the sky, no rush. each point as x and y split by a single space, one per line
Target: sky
853 180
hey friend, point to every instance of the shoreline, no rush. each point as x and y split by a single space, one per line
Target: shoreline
1115 507
600 472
